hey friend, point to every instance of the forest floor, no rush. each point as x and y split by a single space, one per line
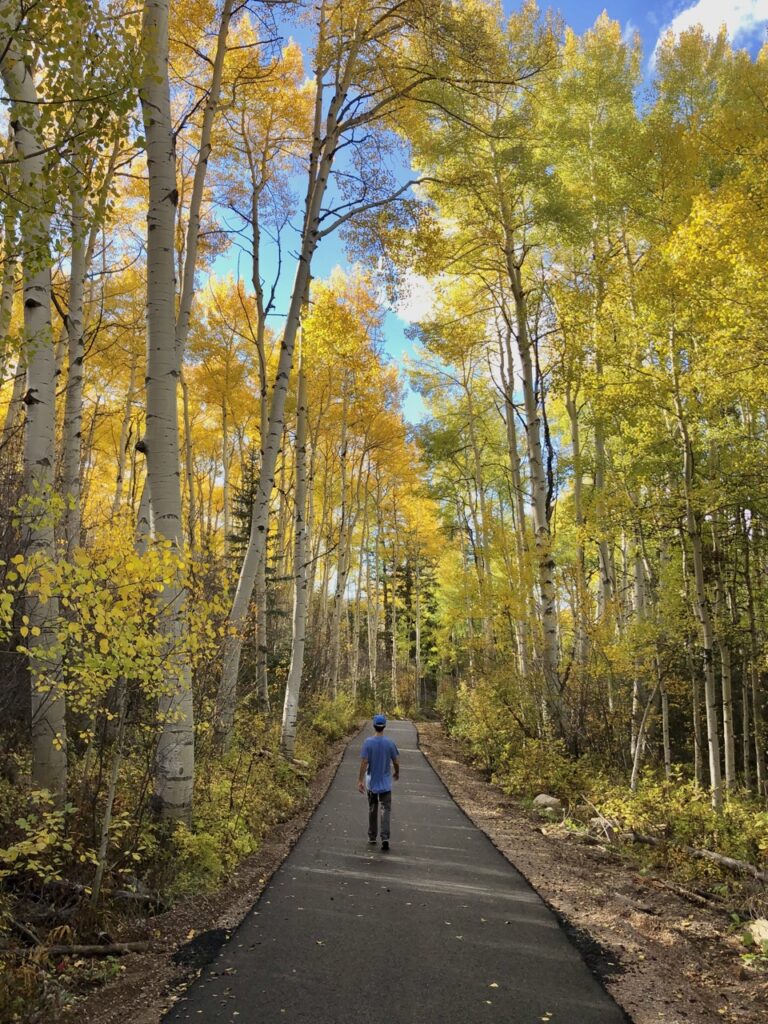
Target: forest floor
185 939
665 954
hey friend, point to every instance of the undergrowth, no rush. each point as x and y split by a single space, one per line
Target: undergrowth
676 811
47 857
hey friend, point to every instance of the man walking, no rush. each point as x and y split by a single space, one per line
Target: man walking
378 763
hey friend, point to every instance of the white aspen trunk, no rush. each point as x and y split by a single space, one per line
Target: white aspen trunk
486 596
300 593
698 767
698 746
15 403
262 647
754 660
521 541
470 626
726 669
373 599
580 611
395 694
746 756
73 403
640 745
665 733
701 606
605 561
545 559
8 285
189 475
341 559
638 689
225 471
354 662
174 768
49 735
420 697
125 427
260 583
89 465
354 667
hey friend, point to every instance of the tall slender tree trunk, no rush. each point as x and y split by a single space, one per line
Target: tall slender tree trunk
189 465
125 427
15 403
73 403
582 634
10 266
300 592
373 598
638 687
726 666
540 489
49 734
175 759
395 557
341 559
521 540
754 660
354 668
701 601
225 471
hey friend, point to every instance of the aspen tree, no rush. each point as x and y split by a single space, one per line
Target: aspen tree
49 733
301 592
174 770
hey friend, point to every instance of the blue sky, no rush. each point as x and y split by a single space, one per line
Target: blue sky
746 21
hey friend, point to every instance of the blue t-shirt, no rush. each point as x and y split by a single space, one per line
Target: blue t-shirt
379 752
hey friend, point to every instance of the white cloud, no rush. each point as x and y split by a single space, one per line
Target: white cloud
629 32
417 299
742 19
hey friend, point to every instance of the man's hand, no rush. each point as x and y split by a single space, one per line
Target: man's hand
361 786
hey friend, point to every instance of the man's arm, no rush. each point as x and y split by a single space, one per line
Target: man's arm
395 768
361 774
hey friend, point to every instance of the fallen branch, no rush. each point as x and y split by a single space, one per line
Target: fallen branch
701 899
112 949
716 858
116 894
26 933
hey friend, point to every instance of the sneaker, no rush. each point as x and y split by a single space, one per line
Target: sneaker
372 842
385 844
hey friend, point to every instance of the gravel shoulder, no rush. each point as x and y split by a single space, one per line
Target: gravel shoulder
662 955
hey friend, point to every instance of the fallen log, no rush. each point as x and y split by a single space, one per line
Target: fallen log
741 866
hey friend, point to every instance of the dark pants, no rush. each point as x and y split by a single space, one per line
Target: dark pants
374 799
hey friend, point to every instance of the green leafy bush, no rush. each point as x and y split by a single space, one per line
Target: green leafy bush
331 719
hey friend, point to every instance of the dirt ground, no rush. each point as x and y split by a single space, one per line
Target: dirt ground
664 954
185 939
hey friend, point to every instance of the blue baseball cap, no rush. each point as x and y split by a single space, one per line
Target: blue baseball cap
379 719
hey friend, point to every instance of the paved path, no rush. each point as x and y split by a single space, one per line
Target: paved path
440 930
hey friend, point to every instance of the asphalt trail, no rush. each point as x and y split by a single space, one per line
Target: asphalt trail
440 930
